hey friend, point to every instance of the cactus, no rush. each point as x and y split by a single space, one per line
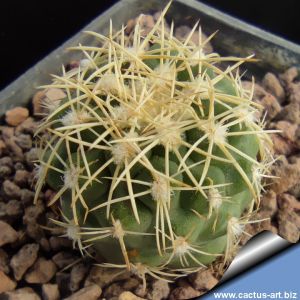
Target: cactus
156 153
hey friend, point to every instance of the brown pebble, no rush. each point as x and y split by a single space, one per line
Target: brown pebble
41 272
50 291
45 245
4 261
6 283
13 208
288 202
19 166
5 171
269 203
130 26
183 293
11 190
113 291
282 146
297 137
32 213
263 222
55 94
63 279
24 259
22 239
16 115
284 182
271 84
2 210
63 259
160 290
6 161
289 75
290 112
131 283
21 177
289 215
91 292
8 135
271 106
57 243
24 141
7 234
288 231
2 147
203 280
146 23
156 16
51 95
294 92
288 130
28 126
78 273
37 103
34 231
27 196
25 293
104 276
295 190
129 296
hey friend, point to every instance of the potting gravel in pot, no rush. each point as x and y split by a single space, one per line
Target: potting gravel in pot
143 167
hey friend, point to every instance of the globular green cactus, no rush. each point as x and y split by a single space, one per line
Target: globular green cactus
156 153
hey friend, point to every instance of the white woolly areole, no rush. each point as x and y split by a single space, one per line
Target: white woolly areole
171 137
85 63
235 226
164 74
108 83
217 132
197 86
247 115
121 112
139 269
39 171
257 173
73 117
70 177
160 189
220 134
181 246
132 51
125 115
169 134
73 231
118 231
124 150
214 198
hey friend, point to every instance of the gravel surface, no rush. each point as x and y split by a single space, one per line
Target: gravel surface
36 263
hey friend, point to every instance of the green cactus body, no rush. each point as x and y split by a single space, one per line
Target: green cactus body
155 153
